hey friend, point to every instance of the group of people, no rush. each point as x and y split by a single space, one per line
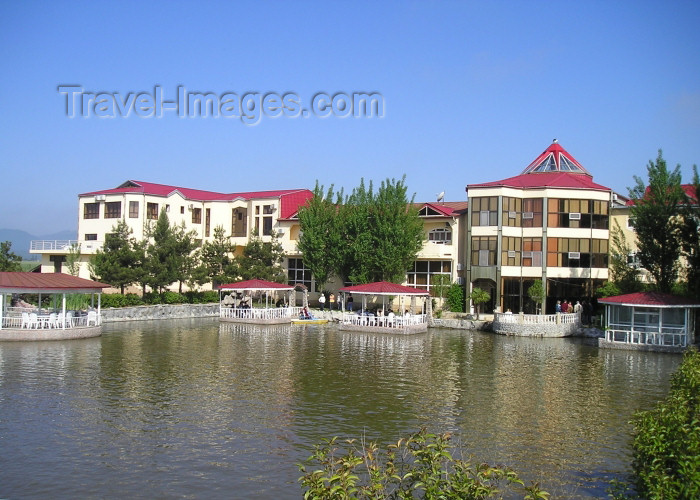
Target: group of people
586 309
332 302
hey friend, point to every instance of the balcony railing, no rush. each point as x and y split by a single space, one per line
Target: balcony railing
51 245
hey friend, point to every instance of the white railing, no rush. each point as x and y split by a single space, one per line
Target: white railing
538 319
626 334
42 245
256 313
383 321
50 321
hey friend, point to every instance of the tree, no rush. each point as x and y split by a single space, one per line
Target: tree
217 258
536 293
9 261
657 222
440 283
691 237
73 259
478 297
185 252
381 234
262 259
161 261
625 276
117 263
455 298
320 240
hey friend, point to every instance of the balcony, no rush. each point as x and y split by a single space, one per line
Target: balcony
41 246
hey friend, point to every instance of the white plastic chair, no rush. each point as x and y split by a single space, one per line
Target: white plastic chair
25 320
52 322
91 318
69 319
33 320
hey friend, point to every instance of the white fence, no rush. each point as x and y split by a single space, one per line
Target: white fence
259 313
398 322
538 319
625 333
49 320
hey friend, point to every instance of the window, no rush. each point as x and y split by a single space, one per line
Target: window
575 252
196 216
577 213
265 220
298 274
152 211
420 274
441 236
532 212
133 209
532 252
512 211
511 251
207 222
630 223
484 250
91 237
485 211
91 211
182 210
113 209
239 222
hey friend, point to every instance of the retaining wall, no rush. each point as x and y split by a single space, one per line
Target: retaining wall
160 311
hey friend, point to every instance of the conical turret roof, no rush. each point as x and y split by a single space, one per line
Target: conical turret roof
555 159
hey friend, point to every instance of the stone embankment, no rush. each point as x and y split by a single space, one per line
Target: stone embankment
160 311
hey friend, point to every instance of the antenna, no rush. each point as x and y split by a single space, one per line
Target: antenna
441 196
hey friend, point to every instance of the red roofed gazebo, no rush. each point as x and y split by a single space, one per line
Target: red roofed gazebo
237 306
649 321
26 322
407 321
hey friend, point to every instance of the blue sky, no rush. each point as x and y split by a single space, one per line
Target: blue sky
473 92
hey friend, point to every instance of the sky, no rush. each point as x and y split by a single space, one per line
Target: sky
470 92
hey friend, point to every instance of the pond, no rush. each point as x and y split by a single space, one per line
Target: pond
195 409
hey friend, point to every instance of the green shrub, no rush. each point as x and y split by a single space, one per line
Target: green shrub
119 300
420 466
173 298
455 298
666 444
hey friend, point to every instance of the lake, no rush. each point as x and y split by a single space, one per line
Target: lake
198 409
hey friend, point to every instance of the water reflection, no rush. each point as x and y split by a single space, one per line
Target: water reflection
202 409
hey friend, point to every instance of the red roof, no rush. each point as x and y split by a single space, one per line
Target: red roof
446 208
383 288
19 282
555 159
688 189
563 180
290 199
256 285
652 299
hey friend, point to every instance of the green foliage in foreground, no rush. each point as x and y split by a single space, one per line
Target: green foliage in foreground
455 298
666 444
420 466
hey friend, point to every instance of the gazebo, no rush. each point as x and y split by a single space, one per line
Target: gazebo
649 321
27 322
237 306
409 318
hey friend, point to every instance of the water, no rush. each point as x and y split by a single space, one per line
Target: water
195 409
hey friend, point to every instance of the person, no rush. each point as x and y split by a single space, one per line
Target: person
557 308
565 307
305 314
322 301
349 302
577 307
331 301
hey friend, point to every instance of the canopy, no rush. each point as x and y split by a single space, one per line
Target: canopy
384 288
255 285
650 299
20 282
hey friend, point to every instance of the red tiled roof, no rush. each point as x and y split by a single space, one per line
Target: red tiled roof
555 159
49 282
165 190
563 180
652 299
383 288
689 190
255 285
446 208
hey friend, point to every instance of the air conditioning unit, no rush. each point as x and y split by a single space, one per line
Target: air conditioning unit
574 216
528 215
190 207
574 255
460 280
511 215
459 266
100 197
511 254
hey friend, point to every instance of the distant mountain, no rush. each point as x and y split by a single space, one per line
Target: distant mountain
21 240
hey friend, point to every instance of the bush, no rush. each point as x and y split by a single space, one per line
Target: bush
421 466
666 445
173 298
119 300
455 298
